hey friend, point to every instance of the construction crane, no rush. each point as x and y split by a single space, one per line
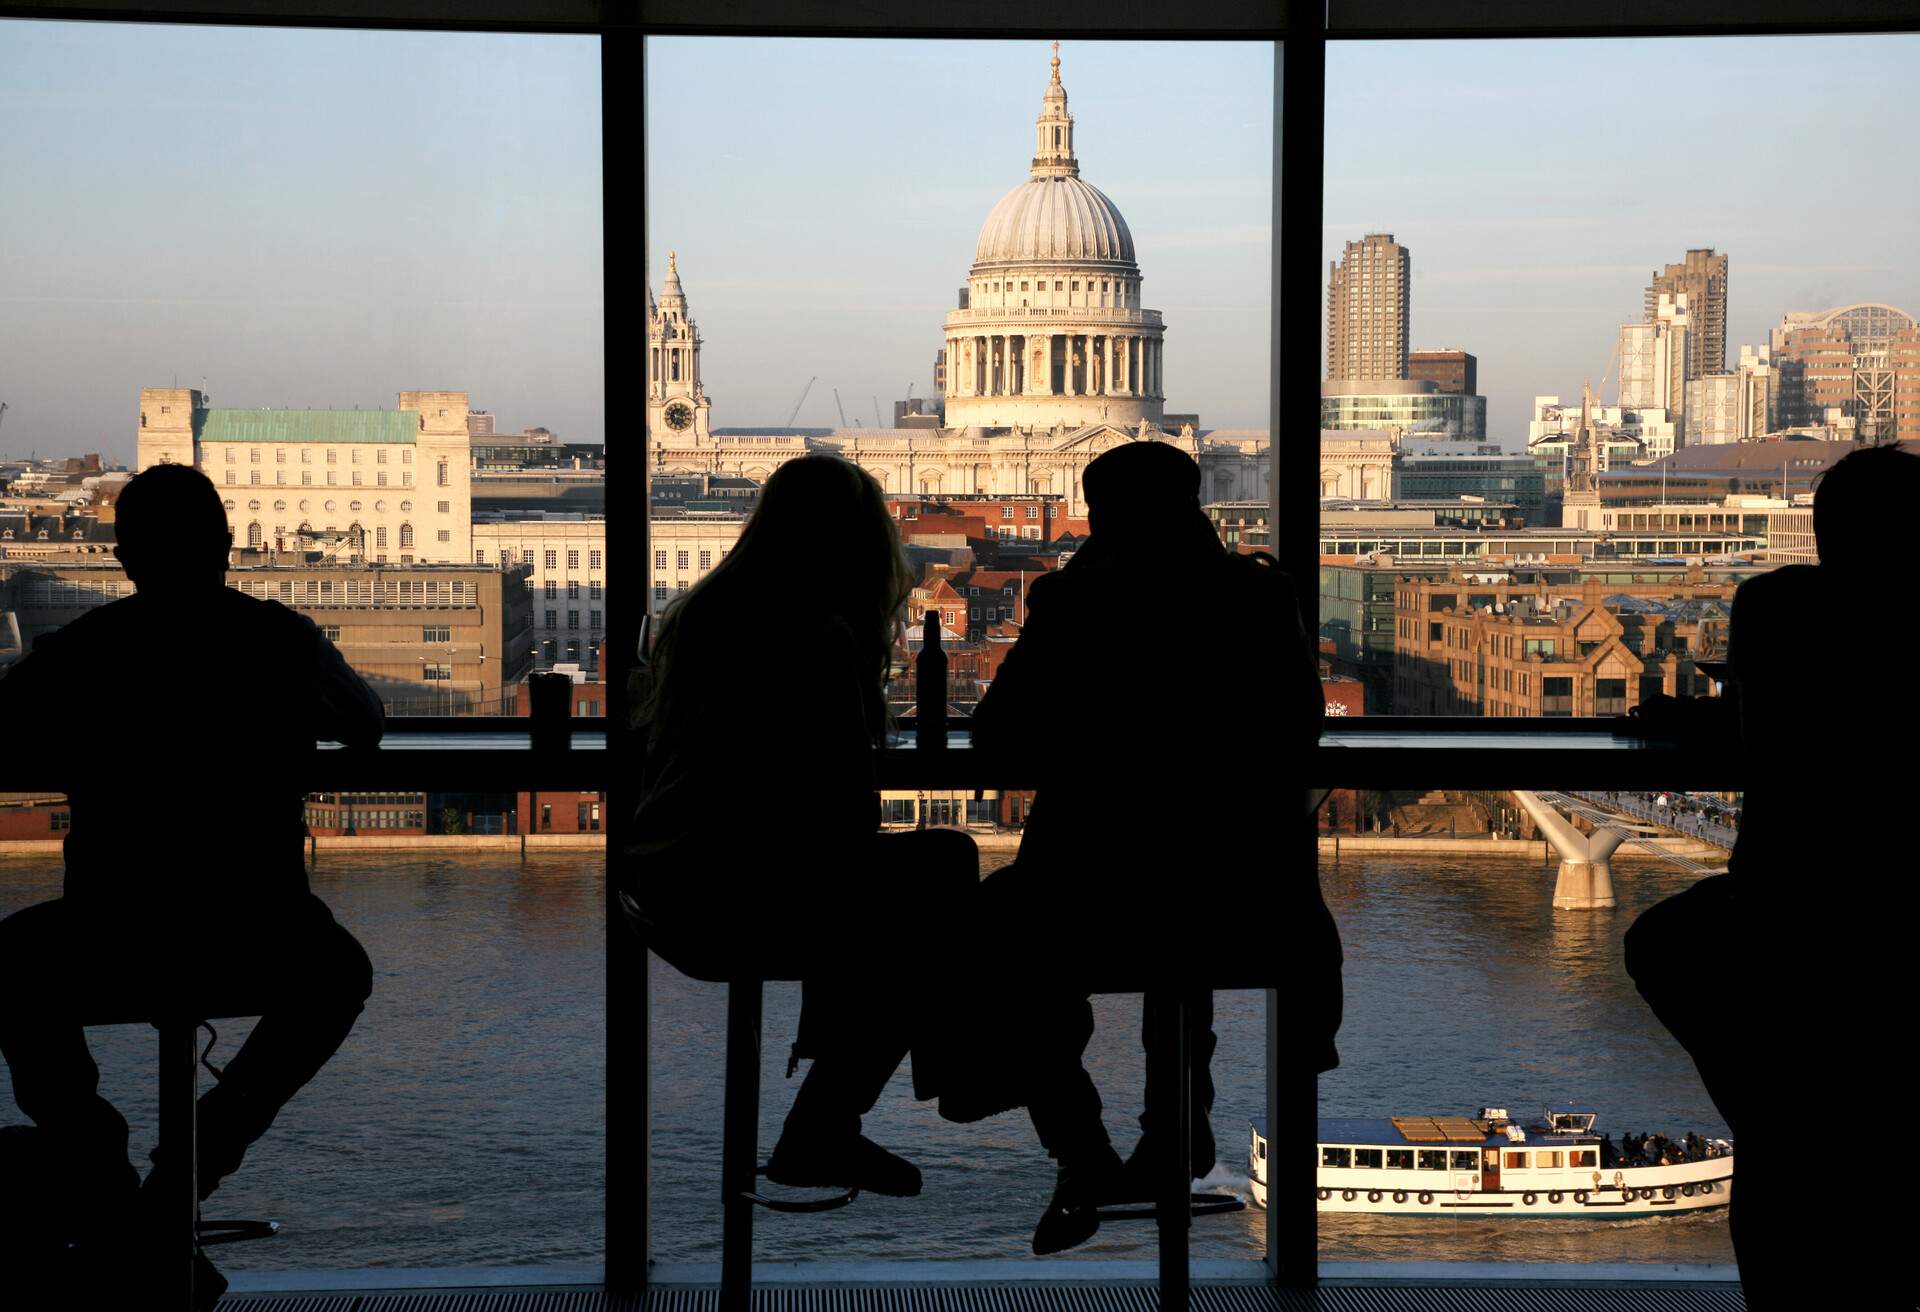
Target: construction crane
842 409
802 401
3 412
876 413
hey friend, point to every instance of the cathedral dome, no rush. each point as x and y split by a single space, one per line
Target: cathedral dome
1054 218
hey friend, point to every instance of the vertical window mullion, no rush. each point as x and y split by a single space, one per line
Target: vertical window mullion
1300 81
628 1124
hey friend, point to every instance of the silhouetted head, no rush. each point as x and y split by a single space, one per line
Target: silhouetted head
170 529
1143 491
819 548
1858 502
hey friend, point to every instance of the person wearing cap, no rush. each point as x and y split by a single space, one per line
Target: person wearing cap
1156 686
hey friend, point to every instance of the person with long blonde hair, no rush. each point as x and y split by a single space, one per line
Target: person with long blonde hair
757 848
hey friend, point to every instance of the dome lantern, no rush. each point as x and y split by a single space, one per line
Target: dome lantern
1053 131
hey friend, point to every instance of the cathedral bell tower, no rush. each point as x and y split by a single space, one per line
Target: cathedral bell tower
677 405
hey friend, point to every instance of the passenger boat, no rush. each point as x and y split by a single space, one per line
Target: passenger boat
1490 1164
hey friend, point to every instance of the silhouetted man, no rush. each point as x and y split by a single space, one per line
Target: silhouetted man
1157 685
1809 1002
185 720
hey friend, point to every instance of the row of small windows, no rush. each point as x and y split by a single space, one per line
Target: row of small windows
306 480
573 619
333 455
550 557
380 819
1059 285
406 507
256 535
680 559
372 592
573 590
1457 1159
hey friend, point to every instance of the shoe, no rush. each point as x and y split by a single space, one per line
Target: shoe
1139 1182
1073 1217
855 1163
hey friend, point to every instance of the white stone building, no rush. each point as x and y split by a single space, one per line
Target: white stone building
381 485
1052 360
1653 358
685 551
1625 436
568 556
1357 466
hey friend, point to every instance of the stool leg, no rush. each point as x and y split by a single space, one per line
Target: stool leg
740 1144
1173 1201
180 1232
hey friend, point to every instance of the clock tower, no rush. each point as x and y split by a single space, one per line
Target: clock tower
677 405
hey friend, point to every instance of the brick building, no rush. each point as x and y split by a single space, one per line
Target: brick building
1455 371
430 639
1505 649
25 816
1859 362
561 813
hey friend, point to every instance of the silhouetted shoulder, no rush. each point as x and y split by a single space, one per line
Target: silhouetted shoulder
1790 584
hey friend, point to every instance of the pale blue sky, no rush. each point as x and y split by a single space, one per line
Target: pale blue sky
324 218
307 218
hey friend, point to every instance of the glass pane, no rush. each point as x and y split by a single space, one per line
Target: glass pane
1485 990
1487 307
320 266
377 330
864 271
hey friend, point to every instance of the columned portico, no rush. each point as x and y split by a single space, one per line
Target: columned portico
1055 254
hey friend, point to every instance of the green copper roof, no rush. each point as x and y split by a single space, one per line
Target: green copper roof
311 426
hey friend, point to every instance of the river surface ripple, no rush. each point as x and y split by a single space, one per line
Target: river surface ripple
461 1123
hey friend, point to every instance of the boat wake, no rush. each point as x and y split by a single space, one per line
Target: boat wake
1224 1178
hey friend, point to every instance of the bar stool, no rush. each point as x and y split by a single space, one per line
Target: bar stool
184 1232
1174 1205
740 1120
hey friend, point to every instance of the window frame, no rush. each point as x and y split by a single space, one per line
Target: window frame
1300 32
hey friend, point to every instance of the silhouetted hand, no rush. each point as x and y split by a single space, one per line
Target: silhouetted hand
1662 716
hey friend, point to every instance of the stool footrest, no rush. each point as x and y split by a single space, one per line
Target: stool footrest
234 1232
1199 1205
832 1203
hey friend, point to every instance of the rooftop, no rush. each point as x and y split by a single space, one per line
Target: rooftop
339 426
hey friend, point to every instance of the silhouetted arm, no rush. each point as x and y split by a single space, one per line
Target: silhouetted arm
346 709
30 694
1013 711
1306 704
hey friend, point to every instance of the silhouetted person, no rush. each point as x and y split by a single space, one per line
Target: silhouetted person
183 721
1157 685
1807 999
757 849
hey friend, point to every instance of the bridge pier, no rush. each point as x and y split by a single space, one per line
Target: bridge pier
1585 881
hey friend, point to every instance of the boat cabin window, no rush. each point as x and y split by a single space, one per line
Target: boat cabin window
1570 1122
1547 1161
1516 1162
1335 1156
1399 1159
1433 1159
1466 1161
1367 1157
1588 1157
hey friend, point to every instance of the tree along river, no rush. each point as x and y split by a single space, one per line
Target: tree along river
461 1123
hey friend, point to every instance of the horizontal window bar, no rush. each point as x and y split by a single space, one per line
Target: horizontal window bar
1362 19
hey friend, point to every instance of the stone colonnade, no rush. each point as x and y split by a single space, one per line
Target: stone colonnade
1090 364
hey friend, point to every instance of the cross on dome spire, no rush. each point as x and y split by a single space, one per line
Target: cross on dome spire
1053 132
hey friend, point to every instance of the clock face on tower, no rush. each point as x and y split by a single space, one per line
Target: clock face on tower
679 415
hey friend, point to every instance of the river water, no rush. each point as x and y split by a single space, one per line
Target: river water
461 1123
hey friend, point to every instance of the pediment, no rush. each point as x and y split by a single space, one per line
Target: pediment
1096 439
